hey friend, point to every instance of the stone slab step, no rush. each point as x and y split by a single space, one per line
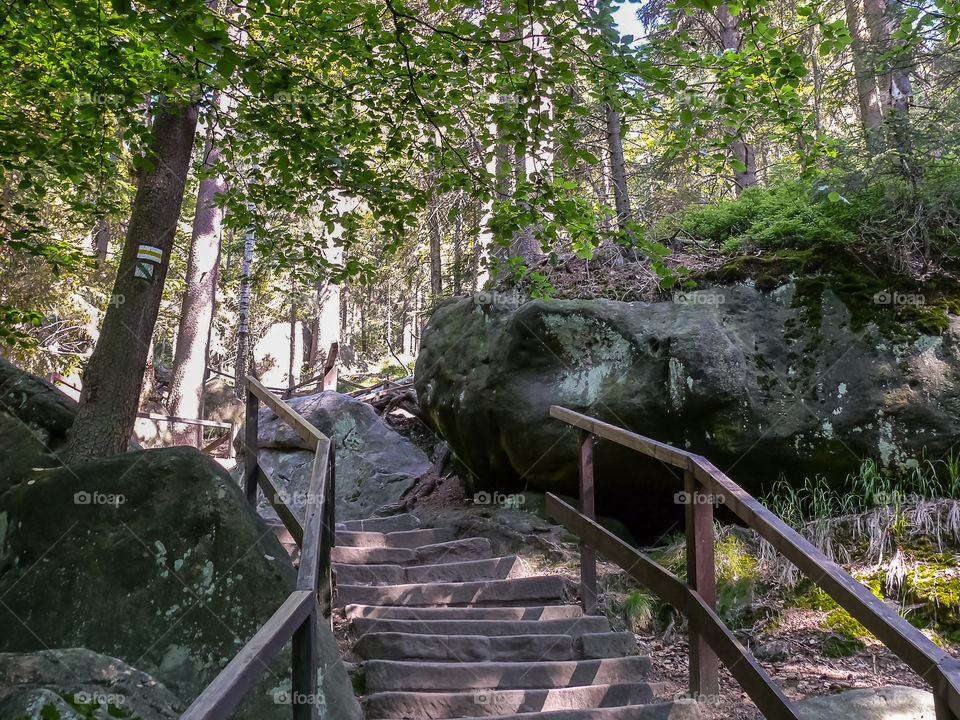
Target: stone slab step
499 568
393 612
400 539
392 523
492 648
487 628
675 710
452 551
381 675
595 646
466 648
486 703
541 590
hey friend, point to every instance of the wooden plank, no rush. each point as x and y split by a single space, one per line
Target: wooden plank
291 417
283 511
325 578
221 697
907 642
645 445
210 447
188 421
305 662
251 448
330 367
588 556
742 665
310 549
702 577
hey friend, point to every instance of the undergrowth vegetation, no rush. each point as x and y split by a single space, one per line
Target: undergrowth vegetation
914 221
897 533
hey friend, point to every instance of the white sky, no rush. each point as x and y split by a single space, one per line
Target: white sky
625 14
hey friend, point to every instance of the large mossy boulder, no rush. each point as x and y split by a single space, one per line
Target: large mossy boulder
153 557
34 420
376 466
74 680
762 383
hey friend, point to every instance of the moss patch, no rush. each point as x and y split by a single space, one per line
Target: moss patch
901 309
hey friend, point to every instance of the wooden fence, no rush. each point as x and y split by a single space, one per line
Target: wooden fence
296 619
710 639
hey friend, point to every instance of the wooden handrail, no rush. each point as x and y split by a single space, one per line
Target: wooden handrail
222 696
705 484
771 702
297 617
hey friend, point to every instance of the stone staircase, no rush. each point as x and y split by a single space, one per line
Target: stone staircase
448 630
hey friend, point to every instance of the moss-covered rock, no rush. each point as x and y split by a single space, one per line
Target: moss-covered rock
789 381
153 557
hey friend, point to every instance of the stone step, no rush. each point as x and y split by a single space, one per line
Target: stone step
487 628
392 523
382 675
452 551
541 590
676 710
400 539
493 648
393 612
499 568
436 705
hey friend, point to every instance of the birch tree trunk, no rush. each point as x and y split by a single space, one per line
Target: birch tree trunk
199 300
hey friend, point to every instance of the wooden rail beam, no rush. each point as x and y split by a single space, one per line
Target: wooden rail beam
222 696
291 417
771 702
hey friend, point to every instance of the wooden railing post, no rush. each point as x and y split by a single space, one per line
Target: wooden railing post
701 576
329 537
588 556
304 694
251 450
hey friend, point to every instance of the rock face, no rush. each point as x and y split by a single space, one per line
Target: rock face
153 557
760 383
887 703
31 681
34 419
375 465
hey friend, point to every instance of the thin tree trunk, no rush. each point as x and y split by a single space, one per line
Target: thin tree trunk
292 375
101 238
742 151
894 77
618 168
871 116
243 311
113 376
199 300
436 269
458 247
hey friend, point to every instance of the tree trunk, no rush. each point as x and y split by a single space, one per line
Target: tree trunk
436 278
243 310
871 117
199 300
292 374
894 77
113 376
742 151
458 247
101 238
618 168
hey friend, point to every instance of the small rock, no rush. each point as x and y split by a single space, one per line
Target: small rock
895 702
770 652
